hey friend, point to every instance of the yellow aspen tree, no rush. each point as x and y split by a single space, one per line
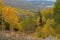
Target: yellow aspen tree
10 15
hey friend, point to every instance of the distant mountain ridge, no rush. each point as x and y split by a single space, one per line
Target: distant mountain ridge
31 5
44 3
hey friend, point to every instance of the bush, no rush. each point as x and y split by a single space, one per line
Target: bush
29 25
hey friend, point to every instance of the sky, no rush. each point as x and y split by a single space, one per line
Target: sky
33 0
44 0
51 0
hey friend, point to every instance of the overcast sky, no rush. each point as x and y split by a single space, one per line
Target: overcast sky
51 0
44 0
32 0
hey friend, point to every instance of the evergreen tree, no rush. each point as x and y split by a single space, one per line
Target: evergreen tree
41 23
57 16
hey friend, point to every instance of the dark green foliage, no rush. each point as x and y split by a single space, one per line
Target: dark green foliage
57 16
0 19
15 29
29 25
41 22
7 26
0 23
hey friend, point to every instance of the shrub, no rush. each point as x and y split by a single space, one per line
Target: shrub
29 25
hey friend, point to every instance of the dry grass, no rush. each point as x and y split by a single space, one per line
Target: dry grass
7 35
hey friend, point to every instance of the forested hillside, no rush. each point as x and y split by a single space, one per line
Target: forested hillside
43 23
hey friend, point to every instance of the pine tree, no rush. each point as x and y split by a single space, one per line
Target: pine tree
57 16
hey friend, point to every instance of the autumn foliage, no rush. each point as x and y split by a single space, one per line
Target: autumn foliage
27 21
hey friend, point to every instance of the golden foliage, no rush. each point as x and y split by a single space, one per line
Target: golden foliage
0 1
43 12
37 20
48 27
10 15
50 11
47 13
38 30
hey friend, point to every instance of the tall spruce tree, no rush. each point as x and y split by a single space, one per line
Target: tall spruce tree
57 16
